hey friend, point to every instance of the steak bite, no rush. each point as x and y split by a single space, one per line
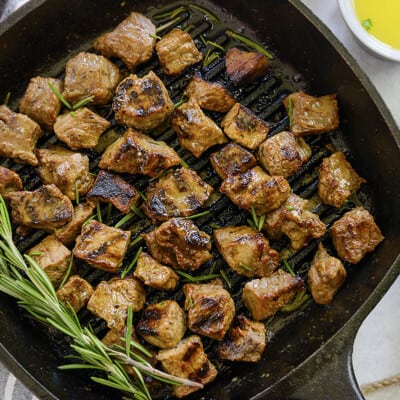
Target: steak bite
135 153
89 74
244 127
40 103
180 244
176 51
18 136
355 234
76 292
102 246
310 115
132 41
9 181
142 103
178 193
246 251
283 154
264 297
337 180
325 276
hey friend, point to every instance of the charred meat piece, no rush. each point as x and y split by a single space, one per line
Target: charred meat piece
76 292
180 244
264 297
245 341
40 103
178 193
132 41
337 180
18 136
355 234
9 181
246 251
142 103
325 276
245 66
310 115
283 154
244 127
80 130
188 360
102 246
255 188
111 300
89 74
176 51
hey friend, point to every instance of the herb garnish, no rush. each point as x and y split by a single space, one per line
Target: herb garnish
196 279
288 267
170 14
135 241
7 98
210 57
249 42
211 16
258 222
367 24
132 264
68 272
183 100
226 279
72 107
299 300
198 215
246 267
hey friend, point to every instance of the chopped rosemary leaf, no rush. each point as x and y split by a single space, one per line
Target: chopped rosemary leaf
98 212
210 57
367 24
170 14
261 222
184 163
60 96
246 267
135 241
82 103
124 220
165 26
132 264
142 195
7 98
157 37
88 220
160 175
36 253
183 100
214 225
189 28
289 208
247 41
251 223
216 45
226 279
190 300
288 267
290 111
301 298
207 13
203 39
196 279
68 272
198 215
138 212
108 214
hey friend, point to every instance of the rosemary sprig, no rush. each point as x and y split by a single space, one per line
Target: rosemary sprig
290 111
249 42
67 272
138 212
156 37
210 57
196 279
124 220
301 298
184 163
258 222
142 195
225 278
82 103
92 217
165 26
198 215
36 253
288 267
170 14
246 267
135 241
108 214
183 100
7 98
214 225
71 107
212 17
98 212
126 271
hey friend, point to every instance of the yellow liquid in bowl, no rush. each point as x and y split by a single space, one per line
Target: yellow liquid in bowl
381 18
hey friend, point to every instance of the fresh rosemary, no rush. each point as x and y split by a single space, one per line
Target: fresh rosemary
249 42
301 298
170 14
225 278
258 222
7 98
246 267
67 272
288 267
71 107
198 215
212 17
128 269
196 279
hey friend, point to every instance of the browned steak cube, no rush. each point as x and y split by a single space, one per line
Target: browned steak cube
355 234
176 51
264 297
245 341
89 74
102 246
180 244
310 115
283 154
246 251
132 41
9 181
111 300
80 129
76 292
18 136
325 276
244 127
135 153
188 360
245 66
142 103
337 180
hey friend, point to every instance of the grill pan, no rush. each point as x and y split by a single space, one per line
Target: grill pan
309 354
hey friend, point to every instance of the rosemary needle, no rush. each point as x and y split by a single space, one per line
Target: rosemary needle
126 271
249 42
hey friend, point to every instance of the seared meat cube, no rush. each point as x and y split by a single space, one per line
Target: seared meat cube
246 251
53 257
312 115
180 244
135 153
80 130
264 297
283 154
116 337
355 234
76 292
89 74
232 160
178 193
245 66
210 309
18 136
245 341
142 103
111 300
294 220
196 132
244 127
45 208
9 181
132 41
102 246
154 274
176 51
112 189
66 169
210 95
163 324
337 180
325 276
188 360
255 188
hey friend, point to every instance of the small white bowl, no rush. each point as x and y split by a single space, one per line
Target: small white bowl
349 14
